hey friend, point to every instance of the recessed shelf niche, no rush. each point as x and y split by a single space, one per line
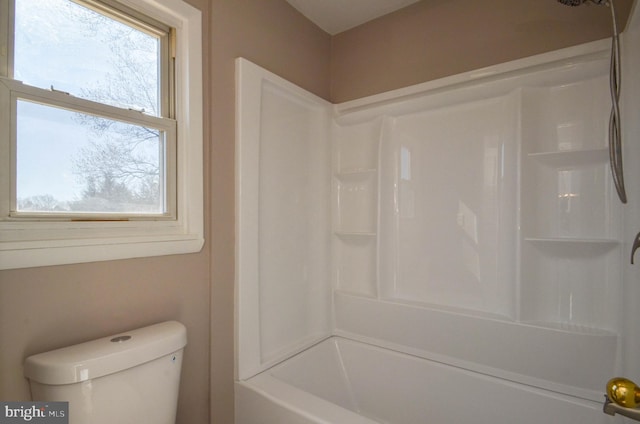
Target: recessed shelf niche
570 250
355 208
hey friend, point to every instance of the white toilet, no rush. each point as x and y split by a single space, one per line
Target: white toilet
129 378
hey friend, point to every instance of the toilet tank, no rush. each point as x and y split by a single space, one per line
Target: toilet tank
128 378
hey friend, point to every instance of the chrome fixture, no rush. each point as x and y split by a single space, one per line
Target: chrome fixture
615 137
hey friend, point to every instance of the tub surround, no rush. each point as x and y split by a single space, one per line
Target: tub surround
471 223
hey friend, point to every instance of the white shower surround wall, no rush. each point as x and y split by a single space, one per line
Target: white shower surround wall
513 280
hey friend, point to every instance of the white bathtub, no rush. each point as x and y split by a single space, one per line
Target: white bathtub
341 381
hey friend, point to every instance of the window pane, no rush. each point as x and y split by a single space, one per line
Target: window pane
73 162
74 49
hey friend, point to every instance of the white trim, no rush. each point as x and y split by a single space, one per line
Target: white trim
30 244
370 106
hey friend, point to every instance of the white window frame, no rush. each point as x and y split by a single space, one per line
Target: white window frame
42 241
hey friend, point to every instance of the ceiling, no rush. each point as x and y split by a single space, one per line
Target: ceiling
335 16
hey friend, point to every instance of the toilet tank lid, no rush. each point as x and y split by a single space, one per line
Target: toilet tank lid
107 355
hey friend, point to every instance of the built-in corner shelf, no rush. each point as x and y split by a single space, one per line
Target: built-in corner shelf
569 272
575 242
354 234
571 158
356 174
357 198
572 328
355 207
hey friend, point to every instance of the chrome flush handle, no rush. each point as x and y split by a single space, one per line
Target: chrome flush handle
635 246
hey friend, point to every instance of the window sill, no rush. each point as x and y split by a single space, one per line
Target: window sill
26 254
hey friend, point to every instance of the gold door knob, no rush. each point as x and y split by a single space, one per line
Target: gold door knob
624 392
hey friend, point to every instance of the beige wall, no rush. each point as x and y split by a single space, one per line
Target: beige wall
435 38
50 307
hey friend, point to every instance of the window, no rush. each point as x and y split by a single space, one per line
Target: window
103 153
100 130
